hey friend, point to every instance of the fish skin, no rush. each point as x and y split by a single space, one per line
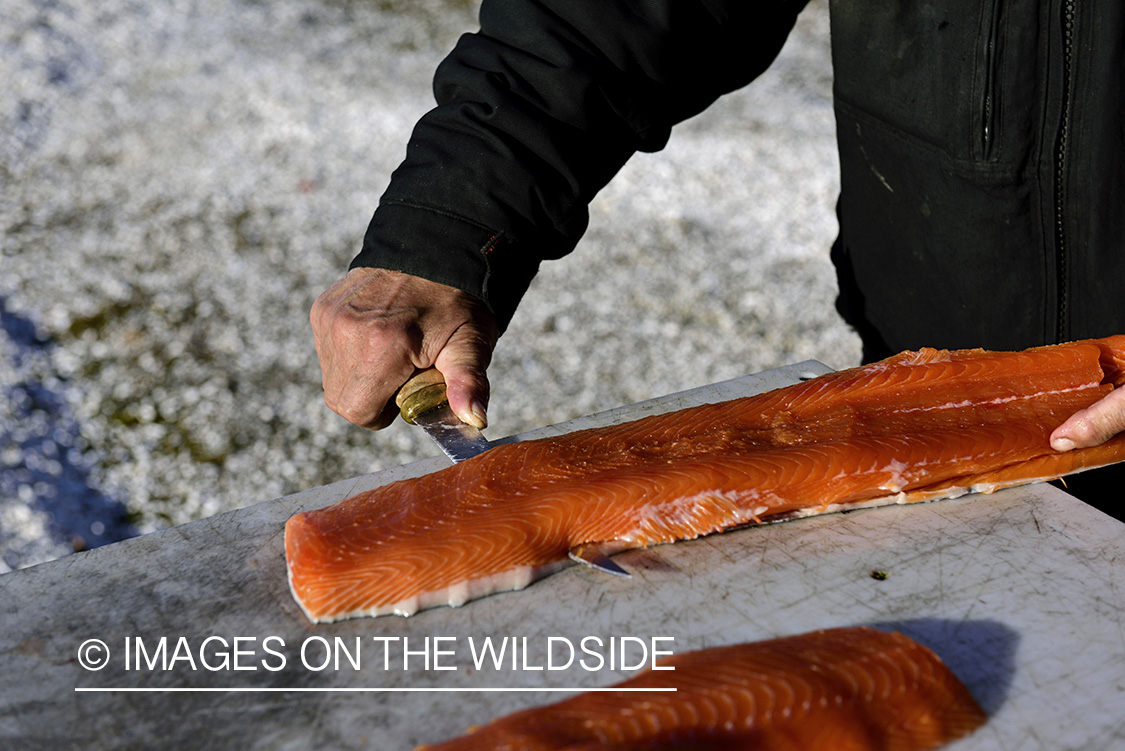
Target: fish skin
917 426
844 689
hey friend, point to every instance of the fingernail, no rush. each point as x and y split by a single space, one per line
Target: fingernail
480 419
1062 444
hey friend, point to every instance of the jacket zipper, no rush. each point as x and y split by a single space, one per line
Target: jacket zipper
988 98
1062 324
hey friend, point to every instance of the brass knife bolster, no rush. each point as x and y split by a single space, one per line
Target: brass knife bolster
422 393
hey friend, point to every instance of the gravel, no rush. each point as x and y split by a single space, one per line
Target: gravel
179 180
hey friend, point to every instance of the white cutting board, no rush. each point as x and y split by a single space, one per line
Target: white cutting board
1022 593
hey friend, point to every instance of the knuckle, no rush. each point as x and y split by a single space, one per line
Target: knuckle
377 332
1088 433
354 413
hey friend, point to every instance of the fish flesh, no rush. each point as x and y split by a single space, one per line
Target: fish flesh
916 426
845 689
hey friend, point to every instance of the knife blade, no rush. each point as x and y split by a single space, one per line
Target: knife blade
422 401
594 557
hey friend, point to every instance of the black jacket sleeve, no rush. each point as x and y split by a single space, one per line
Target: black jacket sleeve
537 111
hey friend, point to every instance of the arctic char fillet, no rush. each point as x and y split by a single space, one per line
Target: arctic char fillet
848 689
917 426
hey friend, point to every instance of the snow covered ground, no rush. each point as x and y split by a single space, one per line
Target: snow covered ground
179 179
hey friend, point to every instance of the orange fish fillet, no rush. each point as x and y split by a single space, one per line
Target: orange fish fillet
919 425
848 689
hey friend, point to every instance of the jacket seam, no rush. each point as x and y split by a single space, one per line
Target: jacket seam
406 203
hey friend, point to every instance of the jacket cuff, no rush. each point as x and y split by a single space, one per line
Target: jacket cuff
448 249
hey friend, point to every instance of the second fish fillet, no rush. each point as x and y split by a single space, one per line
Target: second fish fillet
916 426
844 689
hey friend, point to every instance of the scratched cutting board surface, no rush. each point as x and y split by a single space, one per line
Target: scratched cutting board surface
1022 593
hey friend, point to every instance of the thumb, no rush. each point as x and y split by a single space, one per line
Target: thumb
1094 425
463 362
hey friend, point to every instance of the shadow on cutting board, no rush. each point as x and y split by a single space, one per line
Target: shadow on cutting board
981 653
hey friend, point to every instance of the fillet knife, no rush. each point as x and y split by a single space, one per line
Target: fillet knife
422 401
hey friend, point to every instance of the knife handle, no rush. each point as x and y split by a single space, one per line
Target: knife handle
424 391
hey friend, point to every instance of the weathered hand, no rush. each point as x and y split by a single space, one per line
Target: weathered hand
375 328
1096 424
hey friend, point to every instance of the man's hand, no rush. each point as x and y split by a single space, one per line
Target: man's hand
1096 424
375 328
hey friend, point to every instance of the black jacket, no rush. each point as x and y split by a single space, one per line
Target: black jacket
982 151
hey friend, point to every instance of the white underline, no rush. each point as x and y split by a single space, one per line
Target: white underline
79 689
